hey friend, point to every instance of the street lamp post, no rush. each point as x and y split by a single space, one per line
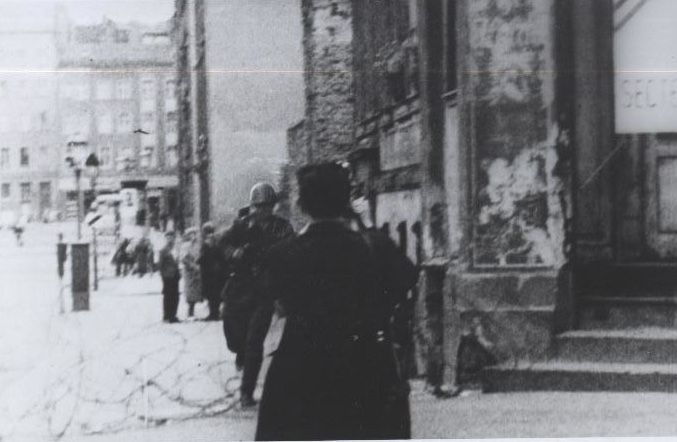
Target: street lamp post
76 159
92 165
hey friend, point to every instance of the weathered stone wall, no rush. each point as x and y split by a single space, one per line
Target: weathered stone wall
518 214
297 154
328 58
520 175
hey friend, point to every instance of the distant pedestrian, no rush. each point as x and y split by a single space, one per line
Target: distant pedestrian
248 309
143 254
19 228
213 271
121 258
190 254
169 270
61 255
334 374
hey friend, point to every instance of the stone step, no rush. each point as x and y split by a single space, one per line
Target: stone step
640 345
576 376
634 280
610 315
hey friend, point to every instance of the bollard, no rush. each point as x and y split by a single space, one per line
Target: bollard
80 276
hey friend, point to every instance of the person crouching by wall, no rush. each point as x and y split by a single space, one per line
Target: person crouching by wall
169 271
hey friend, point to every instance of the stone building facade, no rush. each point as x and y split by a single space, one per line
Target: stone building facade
29 154
116 88
515 150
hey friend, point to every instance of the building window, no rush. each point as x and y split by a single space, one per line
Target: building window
74 124
147 89
24 157
104 123
104 90
4 158
148 121
172 123
124 122
172 156
105 157
25 192
43 159
6 191
170 89
121 36
146 160
124 89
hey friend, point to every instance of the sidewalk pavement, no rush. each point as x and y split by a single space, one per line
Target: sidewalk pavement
117 373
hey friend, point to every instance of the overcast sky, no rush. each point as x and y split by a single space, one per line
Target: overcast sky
86 11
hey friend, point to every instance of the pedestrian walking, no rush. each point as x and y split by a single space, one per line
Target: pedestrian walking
334 374
121 259
190 254
143 254
247 309
212 271
19 228
169 271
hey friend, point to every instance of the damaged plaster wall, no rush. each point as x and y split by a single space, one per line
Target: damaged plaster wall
521 203
519 215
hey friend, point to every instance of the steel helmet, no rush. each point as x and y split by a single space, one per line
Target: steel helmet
262 193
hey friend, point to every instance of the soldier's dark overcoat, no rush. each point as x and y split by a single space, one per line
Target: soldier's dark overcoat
334 368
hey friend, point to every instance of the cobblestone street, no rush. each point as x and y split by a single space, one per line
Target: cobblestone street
117 372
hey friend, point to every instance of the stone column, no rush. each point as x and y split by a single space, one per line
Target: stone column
516 110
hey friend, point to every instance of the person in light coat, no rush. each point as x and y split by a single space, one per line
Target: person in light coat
190 255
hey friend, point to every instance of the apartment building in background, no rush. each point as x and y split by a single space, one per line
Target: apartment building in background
116 90
29 141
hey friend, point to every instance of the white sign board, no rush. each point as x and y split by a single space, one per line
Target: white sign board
645 58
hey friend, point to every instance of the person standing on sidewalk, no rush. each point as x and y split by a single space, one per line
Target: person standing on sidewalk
211 268
169 271
190 254
334 375
248 310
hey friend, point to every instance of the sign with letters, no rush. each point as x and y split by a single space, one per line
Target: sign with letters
645 58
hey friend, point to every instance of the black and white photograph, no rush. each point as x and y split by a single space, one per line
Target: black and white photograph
337 220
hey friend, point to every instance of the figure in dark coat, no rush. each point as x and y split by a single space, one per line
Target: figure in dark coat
169 271
248 310
213 271
334 372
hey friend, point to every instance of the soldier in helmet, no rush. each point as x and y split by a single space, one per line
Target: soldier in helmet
247 309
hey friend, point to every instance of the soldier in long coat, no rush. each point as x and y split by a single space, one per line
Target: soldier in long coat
334 374
248 309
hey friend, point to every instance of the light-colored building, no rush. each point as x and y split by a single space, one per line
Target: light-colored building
116 88
29 151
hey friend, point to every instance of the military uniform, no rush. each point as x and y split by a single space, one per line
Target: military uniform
248 309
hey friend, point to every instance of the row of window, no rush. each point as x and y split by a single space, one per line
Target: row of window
24 157
105 154
38 122
121 89
122 123
24 189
